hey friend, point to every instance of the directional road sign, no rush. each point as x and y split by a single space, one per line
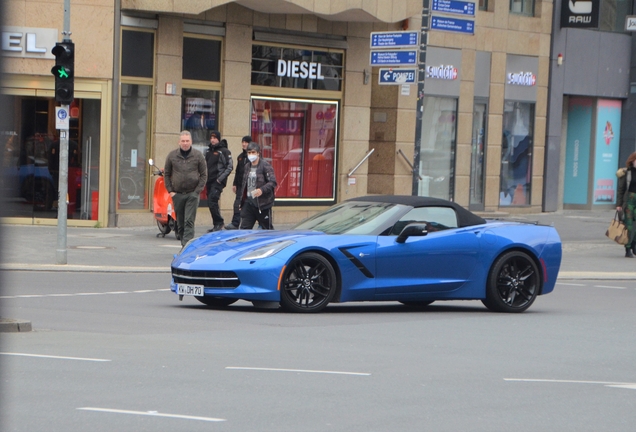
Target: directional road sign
397 76
394 58
453 24
398 39
454 7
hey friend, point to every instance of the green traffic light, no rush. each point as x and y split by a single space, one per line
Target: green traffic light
62 73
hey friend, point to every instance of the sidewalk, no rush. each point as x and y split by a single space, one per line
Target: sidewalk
587 253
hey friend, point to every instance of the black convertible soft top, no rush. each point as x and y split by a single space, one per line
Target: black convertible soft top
464 217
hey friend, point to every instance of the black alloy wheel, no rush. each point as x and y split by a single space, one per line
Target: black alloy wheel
216 302
513 283
309 284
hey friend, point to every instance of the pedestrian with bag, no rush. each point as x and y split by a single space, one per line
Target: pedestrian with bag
257 190
241 161
626 201
219 162
185 175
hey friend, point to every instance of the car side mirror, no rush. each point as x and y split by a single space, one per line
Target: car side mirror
412 230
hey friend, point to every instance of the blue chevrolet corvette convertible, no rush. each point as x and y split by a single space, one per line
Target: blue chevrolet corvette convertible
413 250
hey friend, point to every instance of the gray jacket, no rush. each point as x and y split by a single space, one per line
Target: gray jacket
185 175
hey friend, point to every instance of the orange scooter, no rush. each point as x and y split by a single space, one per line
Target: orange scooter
162 205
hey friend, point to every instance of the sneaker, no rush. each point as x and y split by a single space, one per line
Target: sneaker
628 253
230 226
218 227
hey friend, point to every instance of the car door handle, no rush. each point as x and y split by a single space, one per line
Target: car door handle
362 255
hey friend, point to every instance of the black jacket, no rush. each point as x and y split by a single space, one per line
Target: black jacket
219 161
241 160
265 181
625 179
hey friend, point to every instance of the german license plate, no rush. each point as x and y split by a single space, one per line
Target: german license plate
191 290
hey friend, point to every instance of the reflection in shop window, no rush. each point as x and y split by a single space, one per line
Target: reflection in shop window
516 154
133 145
199 116
298 138
437 148
30 165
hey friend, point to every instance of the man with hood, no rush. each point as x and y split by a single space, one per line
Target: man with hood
219 162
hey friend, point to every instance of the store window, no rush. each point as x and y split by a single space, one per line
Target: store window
522 7
297 68
516 154
298 137
30 164
613 14
437 148
201 92
137 70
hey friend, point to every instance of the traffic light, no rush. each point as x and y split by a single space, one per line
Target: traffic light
64 53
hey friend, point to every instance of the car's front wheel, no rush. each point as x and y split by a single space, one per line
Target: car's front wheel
308 284
216 302
513 283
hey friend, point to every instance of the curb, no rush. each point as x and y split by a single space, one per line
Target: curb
14 325
83 268
586 275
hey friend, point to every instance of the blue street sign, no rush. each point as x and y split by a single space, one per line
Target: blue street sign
454 7
397 76
453 24
398 39
394 58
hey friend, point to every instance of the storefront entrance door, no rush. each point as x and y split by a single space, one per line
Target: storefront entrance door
30 164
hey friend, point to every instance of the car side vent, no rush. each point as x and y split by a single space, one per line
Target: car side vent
356 262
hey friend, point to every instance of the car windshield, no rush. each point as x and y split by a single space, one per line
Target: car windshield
352 218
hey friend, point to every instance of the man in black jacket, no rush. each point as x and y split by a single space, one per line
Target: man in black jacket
257 191
219 162
241 160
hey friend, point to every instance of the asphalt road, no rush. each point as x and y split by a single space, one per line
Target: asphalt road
118 352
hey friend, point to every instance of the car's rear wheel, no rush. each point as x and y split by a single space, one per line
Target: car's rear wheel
513 283
216 302
417 304
308 284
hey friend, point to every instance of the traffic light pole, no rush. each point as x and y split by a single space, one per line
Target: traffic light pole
62 203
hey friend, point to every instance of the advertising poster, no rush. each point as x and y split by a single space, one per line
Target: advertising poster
577 151
608 126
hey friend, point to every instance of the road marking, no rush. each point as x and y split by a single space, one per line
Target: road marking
298 370
171 246
152 414
607 286
569 284
631 386
82 294
53 357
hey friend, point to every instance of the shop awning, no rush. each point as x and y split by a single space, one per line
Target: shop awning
389 11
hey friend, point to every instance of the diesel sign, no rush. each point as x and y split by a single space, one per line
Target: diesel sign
28 42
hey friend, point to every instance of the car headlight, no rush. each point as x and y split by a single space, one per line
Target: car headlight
267 250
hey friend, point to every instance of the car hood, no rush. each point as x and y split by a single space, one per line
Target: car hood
225 245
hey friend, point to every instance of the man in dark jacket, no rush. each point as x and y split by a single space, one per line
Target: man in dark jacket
185 175
257 191
241 160
219 162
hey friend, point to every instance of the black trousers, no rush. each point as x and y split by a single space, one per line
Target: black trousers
236 217
214 195
250 214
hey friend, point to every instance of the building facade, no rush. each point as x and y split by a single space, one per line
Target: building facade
294 75
591 123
